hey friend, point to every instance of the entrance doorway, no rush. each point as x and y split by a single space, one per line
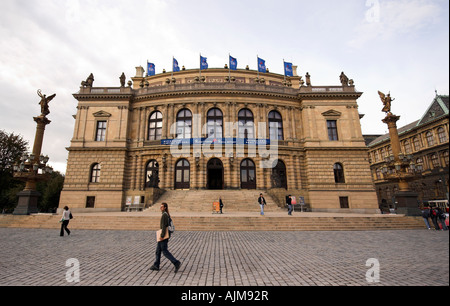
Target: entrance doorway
182 174
279 179
248 174
215 174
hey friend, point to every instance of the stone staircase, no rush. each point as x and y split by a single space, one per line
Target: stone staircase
202 201
213 222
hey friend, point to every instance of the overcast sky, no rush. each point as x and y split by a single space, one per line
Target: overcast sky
401 46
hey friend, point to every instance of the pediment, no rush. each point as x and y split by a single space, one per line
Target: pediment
332 113
102 114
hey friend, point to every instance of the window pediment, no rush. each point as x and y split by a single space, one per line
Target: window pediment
102 114
332 113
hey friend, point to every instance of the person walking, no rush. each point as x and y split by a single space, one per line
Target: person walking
442 217
163 241
66 216
221 205
289 204
262 202
426 215
434 214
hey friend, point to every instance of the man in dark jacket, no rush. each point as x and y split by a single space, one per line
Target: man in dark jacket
426 215
262 202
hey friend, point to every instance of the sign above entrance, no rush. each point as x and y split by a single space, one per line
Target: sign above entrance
225 141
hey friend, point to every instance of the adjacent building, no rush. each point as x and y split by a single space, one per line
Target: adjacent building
426 141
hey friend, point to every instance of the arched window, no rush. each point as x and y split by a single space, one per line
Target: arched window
155 126
430 139
445 158
434 160
442 135
338 173
215 123
245 117
407 147
184 124
152 174
95 173
419 164
417 145
275 126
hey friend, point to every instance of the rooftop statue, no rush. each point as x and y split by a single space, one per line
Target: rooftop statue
387 101
89 81
44 103
344 79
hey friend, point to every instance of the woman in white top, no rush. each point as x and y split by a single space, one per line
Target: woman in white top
65 221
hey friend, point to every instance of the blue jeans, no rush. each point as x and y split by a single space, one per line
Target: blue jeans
163 248
262 209
427 223
289 209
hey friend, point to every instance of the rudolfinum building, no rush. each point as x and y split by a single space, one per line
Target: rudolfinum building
221 130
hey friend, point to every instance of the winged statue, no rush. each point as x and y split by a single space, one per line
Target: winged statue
387 101
44 102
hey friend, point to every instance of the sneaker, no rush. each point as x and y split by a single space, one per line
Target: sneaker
177 266
154 268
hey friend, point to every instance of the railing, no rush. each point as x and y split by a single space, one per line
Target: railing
202 86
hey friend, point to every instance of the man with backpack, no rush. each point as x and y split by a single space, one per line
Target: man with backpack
434 214
426 215
442 217
166 226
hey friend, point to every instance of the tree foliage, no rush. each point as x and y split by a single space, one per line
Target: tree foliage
12 147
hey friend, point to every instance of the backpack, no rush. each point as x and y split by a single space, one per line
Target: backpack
434 212
426 213
171 226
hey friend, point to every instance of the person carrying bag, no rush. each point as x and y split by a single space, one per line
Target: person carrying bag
162 238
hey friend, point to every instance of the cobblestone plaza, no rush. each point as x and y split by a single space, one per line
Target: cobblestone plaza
122 258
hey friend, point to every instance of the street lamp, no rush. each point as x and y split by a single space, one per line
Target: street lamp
33 167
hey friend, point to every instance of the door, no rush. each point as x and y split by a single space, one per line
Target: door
215 174
248 174
182 174
279 176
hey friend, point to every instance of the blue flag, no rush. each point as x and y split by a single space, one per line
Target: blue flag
150 69
176 68
288 69
233 63
261 65
203 63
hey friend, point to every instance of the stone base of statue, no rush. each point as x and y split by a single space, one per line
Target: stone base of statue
407 203
27 204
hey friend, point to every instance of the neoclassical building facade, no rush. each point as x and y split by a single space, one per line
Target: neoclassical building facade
217 129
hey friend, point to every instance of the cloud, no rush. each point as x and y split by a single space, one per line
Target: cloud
387 20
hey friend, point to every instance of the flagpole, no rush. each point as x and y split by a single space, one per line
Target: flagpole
200 65
173 57
284 67
257 65
229 67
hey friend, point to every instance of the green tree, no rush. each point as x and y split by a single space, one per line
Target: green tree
50 192
12 147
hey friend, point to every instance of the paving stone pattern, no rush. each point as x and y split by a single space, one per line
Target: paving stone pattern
110 258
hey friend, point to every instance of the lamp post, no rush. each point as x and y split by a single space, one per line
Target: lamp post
398 167
33 167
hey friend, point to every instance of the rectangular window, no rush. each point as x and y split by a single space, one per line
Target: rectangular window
101 131
90 202
332 130
344 202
